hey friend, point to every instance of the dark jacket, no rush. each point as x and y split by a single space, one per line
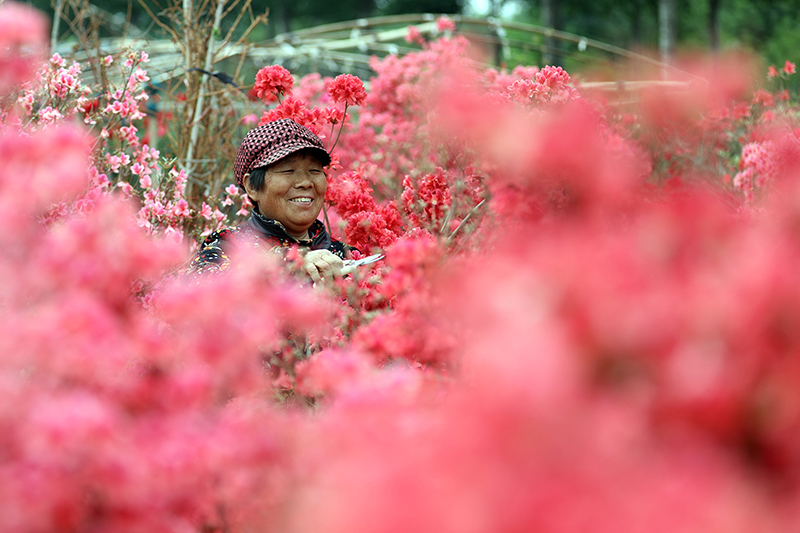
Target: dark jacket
258 230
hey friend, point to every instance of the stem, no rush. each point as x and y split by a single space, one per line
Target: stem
327 222
344 119
330 135
458 187
472 212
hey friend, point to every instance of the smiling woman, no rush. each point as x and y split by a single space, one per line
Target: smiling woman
290 191
280 165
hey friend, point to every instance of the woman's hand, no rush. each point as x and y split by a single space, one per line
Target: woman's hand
322 264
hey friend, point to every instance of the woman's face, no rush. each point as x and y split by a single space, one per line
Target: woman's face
293 192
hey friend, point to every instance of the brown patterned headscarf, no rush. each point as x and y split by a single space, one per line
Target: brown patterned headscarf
273 141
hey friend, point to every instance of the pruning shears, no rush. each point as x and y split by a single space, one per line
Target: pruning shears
350 265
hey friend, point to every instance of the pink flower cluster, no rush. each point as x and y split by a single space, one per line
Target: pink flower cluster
272 82
64 80
550 84
23 44
788 69
426 199
347 89
368 223
758 166
445 24
296 110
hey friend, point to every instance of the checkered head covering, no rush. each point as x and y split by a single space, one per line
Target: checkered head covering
273 141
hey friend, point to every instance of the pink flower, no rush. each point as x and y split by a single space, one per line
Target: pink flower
273 81
49 115
413 35
206 212
250 119
444 24
57 60
180 178
128 133
108 60
113 161
102 180
140 75
116 107
140 169
348 89
764 98
181 208
789 68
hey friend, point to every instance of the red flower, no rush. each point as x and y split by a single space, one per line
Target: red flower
347 88
90 106
273 81
333 115
771 72
789 68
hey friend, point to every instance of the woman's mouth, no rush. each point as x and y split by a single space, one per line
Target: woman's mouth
302 201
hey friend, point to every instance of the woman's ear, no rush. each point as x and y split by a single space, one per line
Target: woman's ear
246 182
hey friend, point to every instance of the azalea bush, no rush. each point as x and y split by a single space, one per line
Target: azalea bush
574 327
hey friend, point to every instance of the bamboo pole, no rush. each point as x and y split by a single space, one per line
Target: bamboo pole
201 98
56 24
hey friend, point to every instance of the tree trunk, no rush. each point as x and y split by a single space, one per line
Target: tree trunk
282 14
666 29
551 19
713 24
636 25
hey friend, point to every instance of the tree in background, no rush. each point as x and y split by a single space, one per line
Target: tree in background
284 15
394 7
766 27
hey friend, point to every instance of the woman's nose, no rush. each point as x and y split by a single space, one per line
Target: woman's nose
303 179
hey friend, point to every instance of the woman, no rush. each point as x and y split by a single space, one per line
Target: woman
281 167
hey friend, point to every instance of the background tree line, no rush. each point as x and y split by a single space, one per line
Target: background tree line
764 26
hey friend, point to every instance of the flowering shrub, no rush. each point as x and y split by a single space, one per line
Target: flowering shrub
567 332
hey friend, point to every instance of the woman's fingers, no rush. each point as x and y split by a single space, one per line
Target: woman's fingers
312 270
321 264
